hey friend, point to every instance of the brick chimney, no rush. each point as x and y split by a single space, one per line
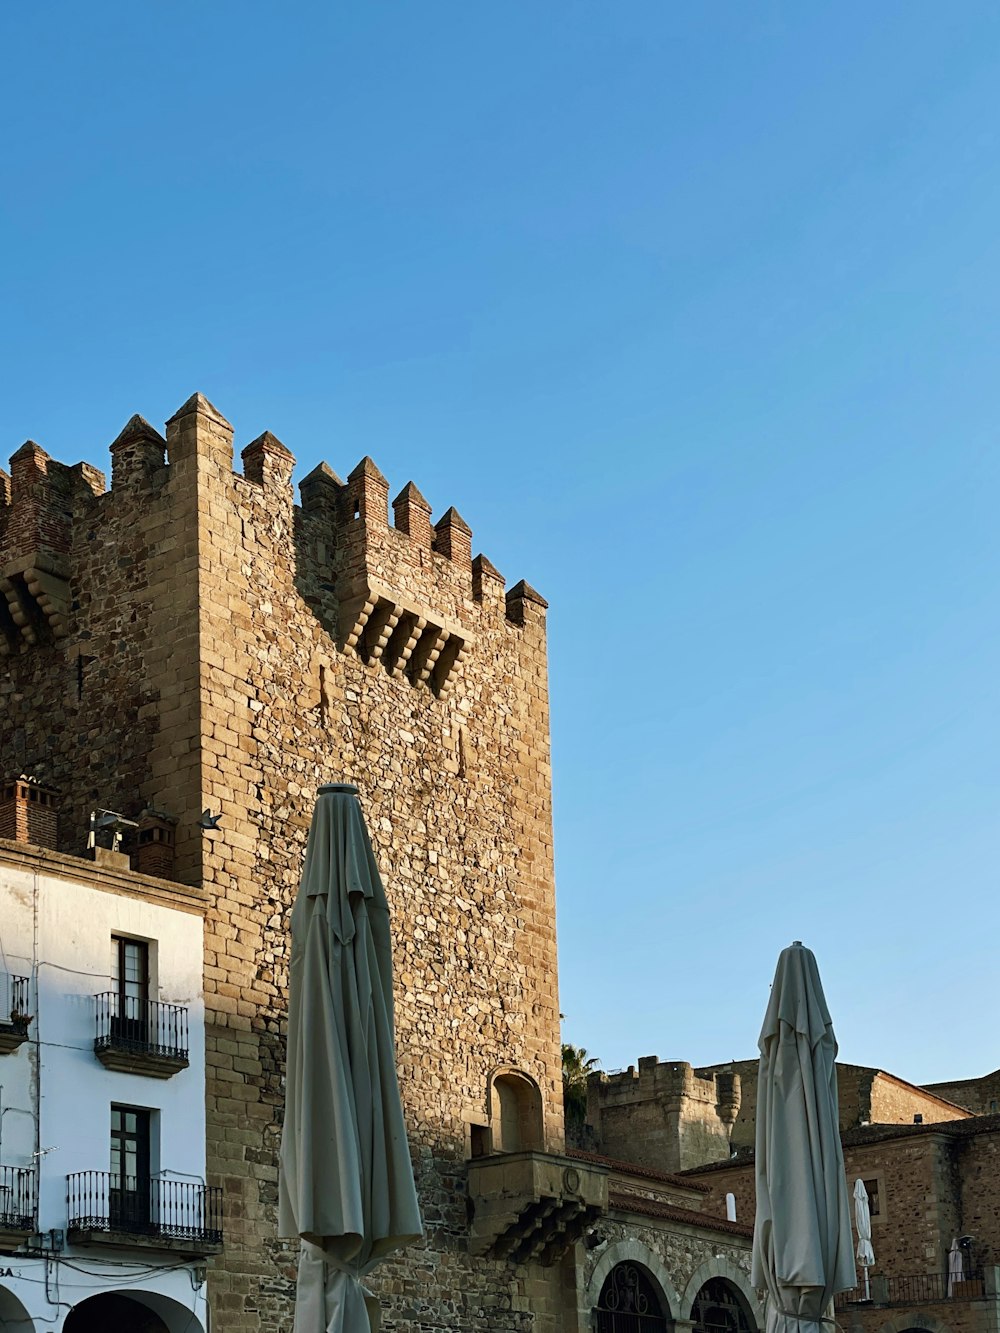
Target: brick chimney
155 852
28 812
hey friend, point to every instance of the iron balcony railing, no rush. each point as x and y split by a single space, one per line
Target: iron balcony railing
17 1198
141 1027
137 1206
14 1000
916 1290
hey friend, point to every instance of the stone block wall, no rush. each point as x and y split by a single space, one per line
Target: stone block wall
981 1096
866 1096
221 648
664 1115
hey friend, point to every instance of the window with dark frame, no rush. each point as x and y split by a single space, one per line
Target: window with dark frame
130 1183
130 983
871 1189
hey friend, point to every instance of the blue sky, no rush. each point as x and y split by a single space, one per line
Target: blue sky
692 311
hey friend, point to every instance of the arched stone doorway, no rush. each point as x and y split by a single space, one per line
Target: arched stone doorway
630 1302
720 1307
13 1316
113 1313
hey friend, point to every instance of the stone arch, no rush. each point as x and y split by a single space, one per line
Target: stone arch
151 1312
722 1267
515 1106
13 1315
629 1251
916 1320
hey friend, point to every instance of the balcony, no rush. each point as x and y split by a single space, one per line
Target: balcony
141 1036
14 1013
532 1206
17 1205
150 1213
922 1289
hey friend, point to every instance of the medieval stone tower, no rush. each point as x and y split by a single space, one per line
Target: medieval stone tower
191 639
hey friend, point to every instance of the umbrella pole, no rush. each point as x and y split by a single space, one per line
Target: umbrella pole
868 1294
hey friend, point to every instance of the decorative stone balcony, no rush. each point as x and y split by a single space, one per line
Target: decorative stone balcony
531 1206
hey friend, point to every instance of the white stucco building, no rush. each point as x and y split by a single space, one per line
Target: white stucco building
105 1218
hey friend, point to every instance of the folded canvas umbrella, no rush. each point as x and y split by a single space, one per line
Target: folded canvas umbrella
802 1251
863 1222
956 1266
345 1183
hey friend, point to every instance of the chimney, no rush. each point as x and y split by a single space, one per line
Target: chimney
154 854
28 812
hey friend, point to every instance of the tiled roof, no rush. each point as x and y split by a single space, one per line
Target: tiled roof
631 1203
634 1169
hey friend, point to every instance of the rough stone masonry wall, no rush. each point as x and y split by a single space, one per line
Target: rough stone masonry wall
213 611
981 1096
81 710
665 1115
919 1198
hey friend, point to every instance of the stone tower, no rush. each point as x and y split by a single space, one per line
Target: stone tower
190 639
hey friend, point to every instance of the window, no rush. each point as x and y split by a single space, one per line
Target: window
719 1308
130 986
129 1184
629 1303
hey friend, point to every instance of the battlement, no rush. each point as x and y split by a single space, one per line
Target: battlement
682 1115
662 1079
408 595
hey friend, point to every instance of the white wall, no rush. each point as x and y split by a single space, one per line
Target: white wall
76 923
57 930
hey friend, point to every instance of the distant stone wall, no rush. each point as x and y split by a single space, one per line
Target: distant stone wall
894 1102
664 1114
981 1096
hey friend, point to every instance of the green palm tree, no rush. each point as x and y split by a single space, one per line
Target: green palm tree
576 1066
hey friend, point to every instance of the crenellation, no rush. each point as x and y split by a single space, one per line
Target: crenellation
412 515
138 452
453 539
321 489
524 604
199 429
268 463
487 581
366 496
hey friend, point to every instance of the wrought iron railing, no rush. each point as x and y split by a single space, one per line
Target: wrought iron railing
17 1198
136 1206
14 1001
141 1027
916 1290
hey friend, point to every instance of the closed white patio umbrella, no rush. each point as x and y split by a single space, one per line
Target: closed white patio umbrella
863 1222
956 1266
802 1244
345 1181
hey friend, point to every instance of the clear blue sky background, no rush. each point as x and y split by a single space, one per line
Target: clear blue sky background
691 309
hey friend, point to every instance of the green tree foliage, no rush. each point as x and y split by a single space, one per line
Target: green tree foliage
576 1065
